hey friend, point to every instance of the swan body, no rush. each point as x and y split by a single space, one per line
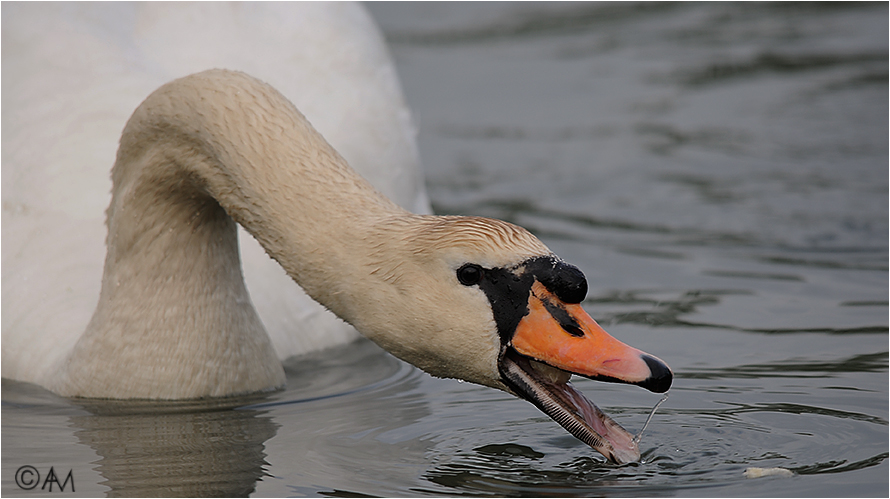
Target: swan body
74 72
462 297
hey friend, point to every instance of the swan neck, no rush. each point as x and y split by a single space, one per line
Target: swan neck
233 139
198 155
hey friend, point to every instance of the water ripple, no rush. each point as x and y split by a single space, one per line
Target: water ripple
873 362
841 466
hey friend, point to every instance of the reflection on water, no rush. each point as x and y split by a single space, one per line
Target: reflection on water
718 171
215 447
176 449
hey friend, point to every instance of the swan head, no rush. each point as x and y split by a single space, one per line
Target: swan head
485 301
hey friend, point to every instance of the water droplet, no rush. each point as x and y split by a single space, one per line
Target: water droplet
639 436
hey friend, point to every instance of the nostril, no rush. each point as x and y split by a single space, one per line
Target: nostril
660 377
573 330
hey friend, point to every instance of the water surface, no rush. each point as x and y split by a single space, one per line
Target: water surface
720 174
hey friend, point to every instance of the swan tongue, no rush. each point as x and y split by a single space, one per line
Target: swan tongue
570 408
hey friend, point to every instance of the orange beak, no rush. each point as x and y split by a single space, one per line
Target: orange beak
564 336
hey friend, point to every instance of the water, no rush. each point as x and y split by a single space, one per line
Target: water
719 172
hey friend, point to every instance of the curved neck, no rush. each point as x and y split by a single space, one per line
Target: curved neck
228 137
198 153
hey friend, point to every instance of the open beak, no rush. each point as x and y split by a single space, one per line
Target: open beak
558 339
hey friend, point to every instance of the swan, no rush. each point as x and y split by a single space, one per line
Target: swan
459 297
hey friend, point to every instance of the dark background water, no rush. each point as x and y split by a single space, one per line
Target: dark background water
718 171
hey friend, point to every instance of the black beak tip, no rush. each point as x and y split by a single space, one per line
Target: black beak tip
661 377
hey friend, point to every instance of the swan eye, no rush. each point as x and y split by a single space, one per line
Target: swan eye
469 274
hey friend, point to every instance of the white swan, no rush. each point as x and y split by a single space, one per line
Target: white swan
471 298
73 74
